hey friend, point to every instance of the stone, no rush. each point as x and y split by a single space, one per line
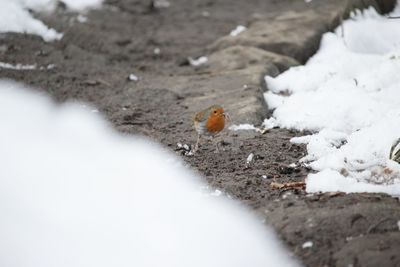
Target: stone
242 57
297 34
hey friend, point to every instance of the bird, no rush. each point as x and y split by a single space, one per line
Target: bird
209 122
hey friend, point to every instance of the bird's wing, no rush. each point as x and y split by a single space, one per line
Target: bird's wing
200 116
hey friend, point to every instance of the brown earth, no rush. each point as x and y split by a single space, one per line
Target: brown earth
94 59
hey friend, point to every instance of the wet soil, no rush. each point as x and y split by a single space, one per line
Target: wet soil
93 62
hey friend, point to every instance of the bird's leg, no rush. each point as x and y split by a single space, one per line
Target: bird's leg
196 146
216 145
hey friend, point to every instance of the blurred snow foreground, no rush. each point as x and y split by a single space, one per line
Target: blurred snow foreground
15 17
75 193
348 96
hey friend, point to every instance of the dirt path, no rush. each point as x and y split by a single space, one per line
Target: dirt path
93 62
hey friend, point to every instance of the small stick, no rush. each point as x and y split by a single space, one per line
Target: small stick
301 185
196 147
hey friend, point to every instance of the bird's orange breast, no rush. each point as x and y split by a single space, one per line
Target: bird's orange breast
215 123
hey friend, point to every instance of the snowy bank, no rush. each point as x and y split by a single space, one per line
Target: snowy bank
348 96
15 17
75 193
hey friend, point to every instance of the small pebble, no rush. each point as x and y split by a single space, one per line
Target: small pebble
205 14
133 77
250 158
237 30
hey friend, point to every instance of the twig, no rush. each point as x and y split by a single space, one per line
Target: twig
291 185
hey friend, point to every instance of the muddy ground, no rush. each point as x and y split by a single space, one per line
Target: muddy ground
93 62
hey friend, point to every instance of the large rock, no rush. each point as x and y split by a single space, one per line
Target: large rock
242 57
239 91
297 33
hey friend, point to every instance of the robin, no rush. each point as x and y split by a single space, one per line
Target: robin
209 122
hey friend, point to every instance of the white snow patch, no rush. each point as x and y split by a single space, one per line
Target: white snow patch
270 123
78 5
333 181
307 244
273 100
216 193
347 94
73 192
15 17
244 126
197 62
239 29
18 66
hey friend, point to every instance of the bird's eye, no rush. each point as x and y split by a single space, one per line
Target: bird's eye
215 112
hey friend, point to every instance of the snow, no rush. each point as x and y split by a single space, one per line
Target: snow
197 62
49 5
347 96
307 244
18 66
15 17
331 181
73 192
244 126
78 5
216 193
238 30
